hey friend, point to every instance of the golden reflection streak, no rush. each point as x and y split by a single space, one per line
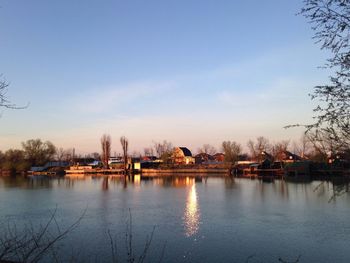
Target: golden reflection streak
192 213
137 179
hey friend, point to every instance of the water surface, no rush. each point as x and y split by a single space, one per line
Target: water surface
215 219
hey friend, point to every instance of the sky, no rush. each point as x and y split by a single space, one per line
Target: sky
189 72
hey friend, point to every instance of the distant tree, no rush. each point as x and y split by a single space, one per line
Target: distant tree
125 145
256 148
208 149
302 147
13 160
164 150
330 19
96 155
64 155
2 156
279 148
232 151
37 152
135 154
106 143
60 153
148 151
158 147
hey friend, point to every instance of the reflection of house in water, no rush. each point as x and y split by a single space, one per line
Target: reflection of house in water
182 155
177 181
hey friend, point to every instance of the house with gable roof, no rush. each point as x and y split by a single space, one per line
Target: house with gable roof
182 155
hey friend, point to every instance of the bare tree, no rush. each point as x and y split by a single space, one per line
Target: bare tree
148 151
251 147
135 154
106 143
96 155
33 244
4 100
330 20
302 147
232 151
324 145
164 150
262 144
279 148
60 154
69 155
208 149
125 144
13 161
38 152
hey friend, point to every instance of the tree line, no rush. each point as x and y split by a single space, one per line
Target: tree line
306 148
36 152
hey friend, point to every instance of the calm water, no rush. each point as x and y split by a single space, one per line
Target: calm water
196 219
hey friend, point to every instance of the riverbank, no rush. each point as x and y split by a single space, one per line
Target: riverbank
201 171
144 172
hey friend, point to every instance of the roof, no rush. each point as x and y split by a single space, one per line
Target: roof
202 154
292 156
186 151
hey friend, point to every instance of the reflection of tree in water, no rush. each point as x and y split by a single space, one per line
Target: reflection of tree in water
69 183
339 187
105 183
230 182
39 182
26 182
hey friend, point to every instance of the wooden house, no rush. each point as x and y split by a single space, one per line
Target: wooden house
182 155
219 157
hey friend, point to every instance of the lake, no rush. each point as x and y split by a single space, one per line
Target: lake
190 219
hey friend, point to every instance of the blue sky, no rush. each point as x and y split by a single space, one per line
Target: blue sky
190 72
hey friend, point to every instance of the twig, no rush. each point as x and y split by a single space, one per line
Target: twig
147 245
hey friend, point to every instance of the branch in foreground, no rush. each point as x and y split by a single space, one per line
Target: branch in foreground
31 245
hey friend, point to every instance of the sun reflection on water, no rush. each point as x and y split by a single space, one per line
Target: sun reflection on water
192 213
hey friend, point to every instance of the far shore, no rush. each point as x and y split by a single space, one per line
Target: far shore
185 171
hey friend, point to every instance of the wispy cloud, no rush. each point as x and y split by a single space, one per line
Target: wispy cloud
112 97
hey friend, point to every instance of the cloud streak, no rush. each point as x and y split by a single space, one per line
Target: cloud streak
113 97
